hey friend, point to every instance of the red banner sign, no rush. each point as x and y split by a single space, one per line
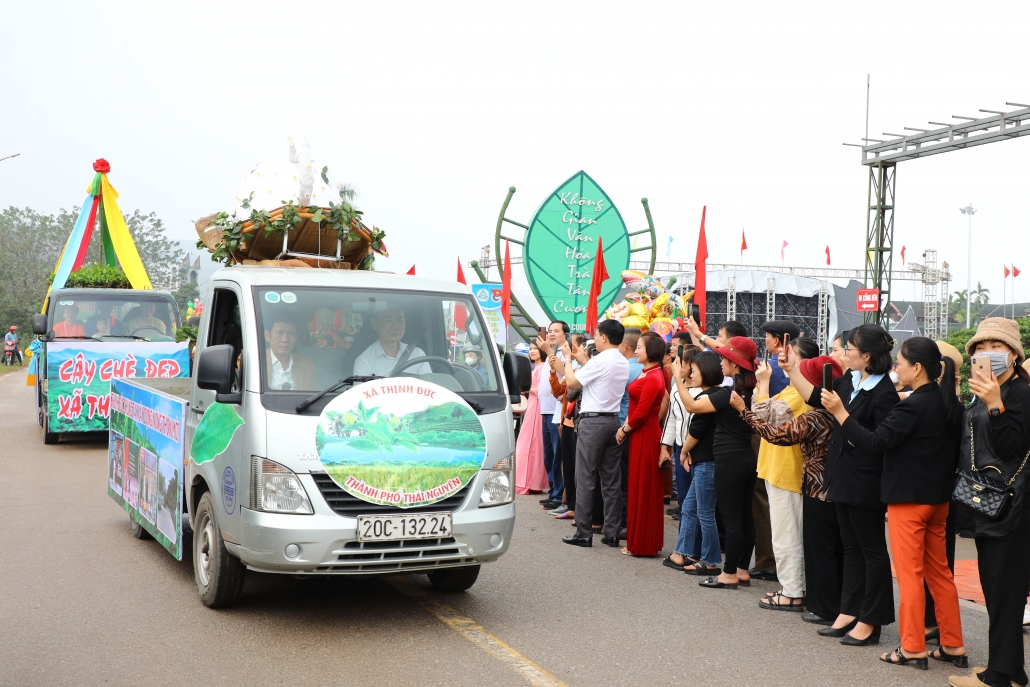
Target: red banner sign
868 300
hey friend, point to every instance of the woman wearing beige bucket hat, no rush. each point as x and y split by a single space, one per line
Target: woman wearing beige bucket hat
996 441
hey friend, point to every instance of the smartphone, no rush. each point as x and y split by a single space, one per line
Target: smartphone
679 352
828 376
982 363
695 312
786 340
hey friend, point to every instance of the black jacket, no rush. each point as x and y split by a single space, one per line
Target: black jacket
1002 443
920 448
853 474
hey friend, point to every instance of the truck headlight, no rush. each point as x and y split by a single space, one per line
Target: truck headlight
277 490
499 487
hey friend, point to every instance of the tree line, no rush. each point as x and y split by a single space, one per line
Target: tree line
30 246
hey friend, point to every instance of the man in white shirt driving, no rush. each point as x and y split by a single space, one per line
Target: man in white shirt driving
286 371
382 356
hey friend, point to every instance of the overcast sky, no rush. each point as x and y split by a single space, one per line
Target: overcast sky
432 110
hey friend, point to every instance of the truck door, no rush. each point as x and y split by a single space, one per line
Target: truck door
226 473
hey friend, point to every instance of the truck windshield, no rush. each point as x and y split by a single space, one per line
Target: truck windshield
111 318
314 337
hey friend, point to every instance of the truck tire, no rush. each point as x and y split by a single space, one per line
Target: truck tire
454 579
219 575
44 421
137 529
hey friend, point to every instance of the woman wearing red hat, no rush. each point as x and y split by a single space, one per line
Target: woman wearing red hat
853 476
735 461
920 442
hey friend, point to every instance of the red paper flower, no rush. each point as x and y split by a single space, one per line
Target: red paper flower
102 166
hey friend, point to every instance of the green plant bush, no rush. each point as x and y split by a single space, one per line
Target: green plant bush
98 276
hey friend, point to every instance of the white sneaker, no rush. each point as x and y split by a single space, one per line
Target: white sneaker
560 510
1026 615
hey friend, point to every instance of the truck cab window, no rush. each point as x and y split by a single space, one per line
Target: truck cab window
226 325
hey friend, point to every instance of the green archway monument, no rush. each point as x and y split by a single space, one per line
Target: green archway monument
559 248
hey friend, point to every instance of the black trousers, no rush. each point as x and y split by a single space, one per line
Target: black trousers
824 557
868 590
735 477
950 531
1005 578
567 445
625 479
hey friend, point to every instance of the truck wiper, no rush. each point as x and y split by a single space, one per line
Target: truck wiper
343 382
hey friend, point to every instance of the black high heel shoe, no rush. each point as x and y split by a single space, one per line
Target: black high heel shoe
838 632
919 663
873 638
942 655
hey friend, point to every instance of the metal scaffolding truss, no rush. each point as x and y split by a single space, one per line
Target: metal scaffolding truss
999 126
770 299
731 298
931 294
823 324
881 156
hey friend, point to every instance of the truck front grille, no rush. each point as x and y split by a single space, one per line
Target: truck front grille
351 506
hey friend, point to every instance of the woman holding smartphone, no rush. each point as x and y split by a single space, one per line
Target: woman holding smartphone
919 439
996 439
735 461
853 476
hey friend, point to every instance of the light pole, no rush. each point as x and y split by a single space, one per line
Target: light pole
9 157
969 211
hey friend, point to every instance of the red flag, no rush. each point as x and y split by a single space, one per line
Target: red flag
1006 270
411 271
827 255
1015 271
783 250
902 255
700 279
743 242
596 282
506 286
460 313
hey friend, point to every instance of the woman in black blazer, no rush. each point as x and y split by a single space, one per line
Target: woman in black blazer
920 444
852 481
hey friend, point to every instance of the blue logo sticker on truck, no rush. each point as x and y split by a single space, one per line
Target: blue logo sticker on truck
229 490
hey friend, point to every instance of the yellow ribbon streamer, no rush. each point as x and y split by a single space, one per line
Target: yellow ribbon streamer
124 246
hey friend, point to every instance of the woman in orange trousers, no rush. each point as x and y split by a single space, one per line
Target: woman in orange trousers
645 524
920 443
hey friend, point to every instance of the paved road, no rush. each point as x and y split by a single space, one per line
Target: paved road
83 602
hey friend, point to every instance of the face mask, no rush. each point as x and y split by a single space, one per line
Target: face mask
999 362
470 360
894 377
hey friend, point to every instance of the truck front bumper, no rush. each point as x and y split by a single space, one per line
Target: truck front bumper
327 543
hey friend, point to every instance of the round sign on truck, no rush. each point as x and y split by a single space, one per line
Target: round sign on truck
401 442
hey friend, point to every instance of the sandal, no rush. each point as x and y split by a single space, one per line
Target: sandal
700 568
714 583
669 563
902 659
744 583
775 603
942 655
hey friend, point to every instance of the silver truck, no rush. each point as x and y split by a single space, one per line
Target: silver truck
366 423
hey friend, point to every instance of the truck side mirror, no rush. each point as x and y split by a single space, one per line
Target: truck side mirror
39 324
518 374
216 372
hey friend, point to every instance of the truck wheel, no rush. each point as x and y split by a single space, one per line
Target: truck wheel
137 529
219 575
454 579
44 420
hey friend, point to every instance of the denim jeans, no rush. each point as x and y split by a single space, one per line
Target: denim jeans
680 476
699 537
552 457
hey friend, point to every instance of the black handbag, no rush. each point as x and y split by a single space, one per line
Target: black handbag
985 494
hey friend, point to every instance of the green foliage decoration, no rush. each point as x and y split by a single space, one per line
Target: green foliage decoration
98 276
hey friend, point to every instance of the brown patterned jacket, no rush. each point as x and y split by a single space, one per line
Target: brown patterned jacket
811 431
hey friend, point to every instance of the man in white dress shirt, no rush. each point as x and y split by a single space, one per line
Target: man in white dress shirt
286 371
603 379
381 357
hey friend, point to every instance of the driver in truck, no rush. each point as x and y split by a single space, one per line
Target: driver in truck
146 319
286 371
382 356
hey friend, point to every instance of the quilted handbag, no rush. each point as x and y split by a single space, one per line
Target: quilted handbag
983 493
